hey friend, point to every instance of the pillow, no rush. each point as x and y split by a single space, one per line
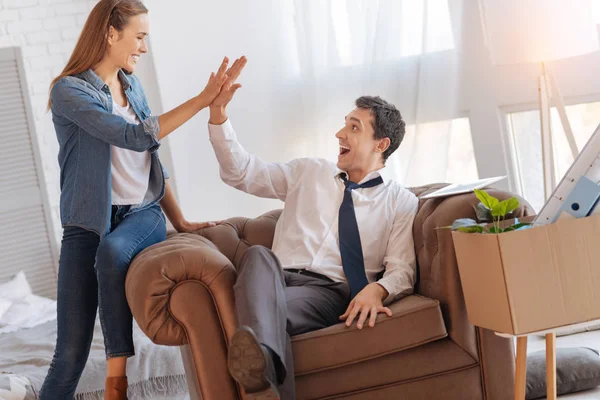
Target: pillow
15 289
577 368
28 312
20 308
4 306
15 387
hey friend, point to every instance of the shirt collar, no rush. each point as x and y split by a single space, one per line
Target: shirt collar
124 80
385 173
90 77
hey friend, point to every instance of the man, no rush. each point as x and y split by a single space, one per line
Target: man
343 245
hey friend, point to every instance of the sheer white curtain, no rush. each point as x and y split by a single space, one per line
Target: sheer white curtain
403 50
308 61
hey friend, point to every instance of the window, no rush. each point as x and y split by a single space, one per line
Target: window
525 130
440 151
461 166
596 10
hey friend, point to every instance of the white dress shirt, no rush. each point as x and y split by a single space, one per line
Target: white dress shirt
306 234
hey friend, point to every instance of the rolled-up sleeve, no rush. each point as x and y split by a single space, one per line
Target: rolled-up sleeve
247 172
400 260
81 106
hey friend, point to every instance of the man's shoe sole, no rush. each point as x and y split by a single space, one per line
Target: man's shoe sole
247 365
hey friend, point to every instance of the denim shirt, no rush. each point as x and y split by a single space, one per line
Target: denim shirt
86 128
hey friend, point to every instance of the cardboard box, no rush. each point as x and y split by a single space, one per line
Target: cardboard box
534 279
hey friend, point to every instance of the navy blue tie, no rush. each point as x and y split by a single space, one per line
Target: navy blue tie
350 246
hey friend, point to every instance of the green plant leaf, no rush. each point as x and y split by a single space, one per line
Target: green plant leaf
517 226
463 222
467 225
513 204
493 229
505 207
488 200
522 224
499 210
471 229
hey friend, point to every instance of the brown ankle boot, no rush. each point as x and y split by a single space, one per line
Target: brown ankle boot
116 388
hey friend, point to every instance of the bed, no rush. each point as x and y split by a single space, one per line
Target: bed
27 339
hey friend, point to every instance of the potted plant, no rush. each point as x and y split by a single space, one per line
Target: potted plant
490 211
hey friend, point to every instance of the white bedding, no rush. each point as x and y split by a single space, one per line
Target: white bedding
27 346
20 308
14 387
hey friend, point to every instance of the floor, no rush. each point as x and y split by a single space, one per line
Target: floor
586 339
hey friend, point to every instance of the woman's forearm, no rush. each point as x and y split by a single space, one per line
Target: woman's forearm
173 119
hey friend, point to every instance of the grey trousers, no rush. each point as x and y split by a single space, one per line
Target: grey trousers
278 304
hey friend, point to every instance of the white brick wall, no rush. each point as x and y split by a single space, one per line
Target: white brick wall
47 31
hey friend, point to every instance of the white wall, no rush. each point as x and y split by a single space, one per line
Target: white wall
186 46
47 31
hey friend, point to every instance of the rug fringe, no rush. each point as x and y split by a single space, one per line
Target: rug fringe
157 386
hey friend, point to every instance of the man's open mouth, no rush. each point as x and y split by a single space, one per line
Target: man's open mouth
344 150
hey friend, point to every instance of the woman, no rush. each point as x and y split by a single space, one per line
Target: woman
112 183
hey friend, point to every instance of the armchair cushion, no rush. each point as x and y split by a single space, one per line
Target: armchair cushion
415 320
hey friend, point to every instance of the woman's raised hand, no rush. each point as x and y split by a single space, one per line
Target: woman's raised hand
215 84
229 87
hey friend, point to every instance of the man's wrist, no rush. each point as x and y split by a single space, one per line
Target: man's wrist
218 115
383 291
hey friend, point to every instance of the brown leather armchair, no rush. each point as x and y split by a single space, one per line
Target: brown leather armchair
180 293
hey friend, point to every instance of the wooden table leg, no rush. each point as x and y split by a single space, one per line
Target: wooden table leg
551 366
521 371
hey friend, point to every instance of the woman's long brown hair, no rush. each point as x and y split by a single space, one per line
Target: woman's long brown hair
92 42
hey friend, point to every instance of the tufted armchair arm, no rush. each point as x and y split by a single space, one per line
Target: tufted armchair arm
180 293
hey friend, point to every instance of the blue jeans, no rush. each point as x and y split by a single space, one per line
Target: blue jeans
91 276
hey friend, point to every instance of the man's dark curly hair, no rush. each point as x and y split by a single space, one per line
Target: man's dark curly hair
387 121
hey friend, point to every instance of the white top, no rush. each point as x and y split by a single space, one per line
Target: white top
130 169
306 235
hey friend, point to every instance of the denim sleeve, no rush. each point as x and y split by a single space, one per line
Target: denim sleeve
82 107
164 170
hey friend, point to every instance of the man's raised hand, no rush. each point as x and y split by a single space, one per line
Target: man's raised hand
229 87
